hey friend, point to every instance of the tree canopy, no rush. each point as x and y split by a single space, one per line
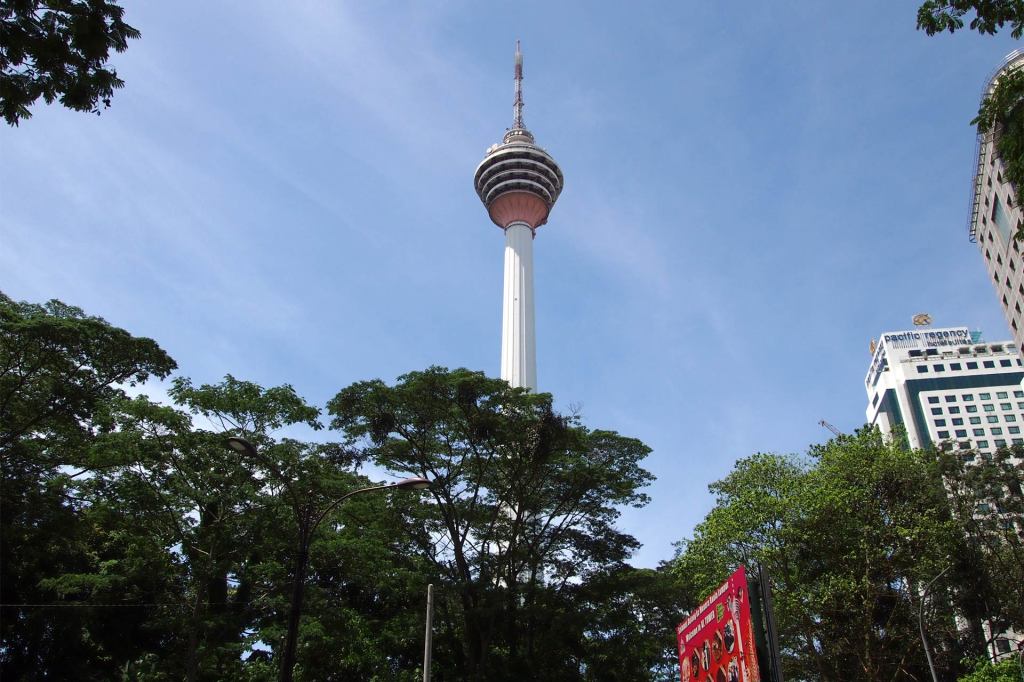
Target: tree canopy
59 50
521 524
850 535
135 545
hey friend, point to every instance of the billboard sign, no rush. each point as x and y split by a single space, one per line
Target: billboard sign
716 641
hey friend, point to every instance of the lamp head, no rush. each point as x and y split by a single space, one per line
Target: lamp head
413 484
241 446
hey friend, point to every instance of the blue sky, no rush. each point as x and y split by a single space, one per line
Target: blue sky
283 191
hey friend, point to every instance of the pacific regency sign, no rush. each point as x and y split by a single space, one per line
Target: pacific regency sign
716 641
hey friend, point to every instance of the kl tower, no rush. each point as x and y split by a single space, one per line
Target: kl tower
519 183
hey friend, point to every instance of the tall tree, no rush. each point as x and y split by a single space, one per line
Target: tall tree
58 50
61 374
850 534
986 497
523 505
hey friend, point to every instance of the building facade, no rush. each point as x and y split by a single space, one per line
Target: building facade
995 217
947 387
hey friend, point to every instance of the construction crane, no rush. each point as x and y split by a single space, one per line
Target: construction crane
830 427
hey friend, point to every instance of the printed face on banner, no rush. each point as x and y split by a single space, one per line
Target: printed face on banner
716 641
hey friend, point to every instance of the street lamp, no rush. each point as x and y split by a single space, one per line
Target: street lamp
307 519
920 622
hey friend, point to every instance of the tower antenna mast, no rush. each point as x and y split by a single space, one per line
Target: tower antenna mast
517 105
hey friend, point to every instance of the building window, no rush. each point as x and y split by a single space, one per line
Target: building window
958 421
1010 417
950 398
1000 443
955 367
992 419
955 410
1018 441
975 420
943 434
978 432
1001 219
1014 429
965 445
988 364
961 433
972 408
1018 394
1005 406
936 410
914 354
1001 395
985 396
997 431
939 368
1020 406
970 396
921 369
972 365
940 422
933 399
1005 363
967 457
989 407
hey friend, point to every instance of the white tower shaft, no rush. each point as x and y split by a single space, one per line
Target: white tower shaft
518 342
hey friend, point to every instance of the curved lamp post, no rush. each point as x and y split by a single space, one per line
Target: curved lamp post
920 621
307 519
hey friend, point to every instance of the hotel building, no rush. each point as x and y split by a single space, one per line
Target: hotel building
947 386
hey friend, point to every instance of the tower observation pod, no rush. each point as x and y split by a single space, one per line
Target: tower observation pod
519 183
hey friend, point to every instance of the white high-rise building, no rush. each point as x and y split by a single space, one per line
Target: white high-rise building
519 183
946 386
995 217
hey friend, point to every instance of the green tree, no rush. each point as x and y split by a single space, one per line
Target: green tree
58 50
849 535
61 374
522 508
1000 114
1009 670
985 493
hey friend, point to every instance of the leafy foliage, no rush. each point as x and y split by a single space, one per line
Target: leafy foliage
1008 670
936 16
986 497
58 50
522 513
136 546
1002 116
60 378
849 535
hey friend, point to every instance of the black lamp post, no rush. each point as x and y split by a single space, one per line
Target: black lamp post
308 519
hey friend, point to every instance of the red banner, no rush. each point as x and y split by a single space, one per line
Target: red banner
716 641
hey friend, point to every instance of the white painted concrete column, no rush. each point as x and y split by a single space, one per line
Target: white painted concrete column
518 342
